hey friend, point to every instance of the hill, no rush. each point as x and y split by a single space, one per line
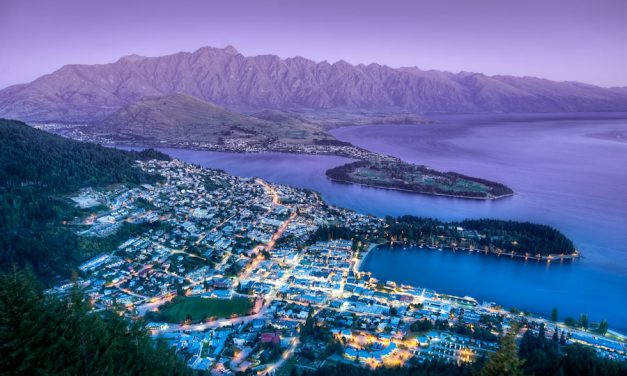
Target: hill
183 118
89 93
36 169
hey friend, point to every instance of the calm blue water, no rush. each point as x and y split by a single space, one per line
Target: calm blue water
564 174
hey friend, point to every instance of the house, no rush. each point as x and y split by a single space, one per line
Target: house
273 338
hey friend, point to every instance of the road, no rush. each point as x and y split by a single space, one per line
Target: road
284 357
268 299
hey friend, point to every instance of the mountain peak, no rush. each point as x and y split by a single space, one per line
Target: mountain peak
131 58
228 49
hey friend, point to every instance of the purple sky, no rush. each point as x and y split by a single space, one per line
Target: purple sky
583 40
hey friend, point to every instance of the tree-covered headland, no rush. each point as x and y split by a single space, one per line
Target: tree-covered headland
491 235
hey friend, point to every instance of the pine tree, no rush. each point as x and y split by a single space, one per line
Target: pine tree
505 361
554 314
43 334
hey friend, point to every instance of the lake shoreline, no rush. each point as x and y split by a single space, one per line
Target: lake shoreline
547 258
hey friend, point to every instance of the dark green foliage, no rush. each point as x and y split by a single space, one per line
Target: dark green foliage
492 234
424 369
477 333
541 355
547 357
326 233
312 331
42 334
554 314
569 321
441 324
36 168
505 361
531 237
580 360
423 325
508 236
36 159
53 252
603 327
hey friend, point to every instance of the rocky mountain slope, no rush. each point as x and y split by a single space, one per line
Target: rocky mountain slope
88 93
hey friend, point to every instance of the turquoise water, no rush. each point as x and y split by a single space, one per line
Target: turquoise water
568 173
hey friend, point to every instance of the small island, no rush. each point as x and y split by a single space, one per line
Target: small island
403 176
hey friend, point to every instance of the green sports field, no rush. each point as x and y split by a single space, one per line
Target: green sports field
199 308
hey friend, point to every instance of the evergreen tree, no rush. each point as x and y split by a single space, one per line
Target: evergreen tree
505 361
569 321
42 334
554 314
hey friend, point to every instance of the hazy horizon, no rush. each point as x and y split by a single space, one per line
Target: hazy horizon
585 41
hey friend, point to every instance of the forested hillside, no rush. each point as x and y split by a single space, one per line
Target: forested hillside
36 170
45 335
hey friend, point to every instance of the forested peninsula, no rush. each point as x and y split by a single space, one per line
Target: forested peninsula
520 239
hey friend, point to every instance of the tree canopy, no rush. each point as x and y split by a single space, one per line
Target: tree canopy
44 334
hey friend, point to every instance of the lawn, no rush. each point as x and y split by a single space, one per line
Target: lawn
199 308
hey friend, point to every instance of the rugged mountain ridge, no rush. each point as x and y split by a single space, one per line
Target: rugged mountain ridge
88 93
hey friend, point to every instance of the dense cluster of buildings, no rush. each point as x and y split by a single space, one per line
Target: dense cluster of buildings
206 236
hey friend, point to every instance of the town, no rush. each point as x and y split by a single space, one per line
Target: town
81 132
234 274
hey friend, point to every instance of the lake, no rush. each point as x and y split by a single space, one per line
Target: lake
566 171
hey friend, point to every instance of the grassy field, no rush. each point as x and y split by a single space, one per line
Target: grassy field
199 308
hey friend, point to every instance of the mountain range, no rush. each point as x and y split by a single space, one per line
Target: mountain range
224 77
